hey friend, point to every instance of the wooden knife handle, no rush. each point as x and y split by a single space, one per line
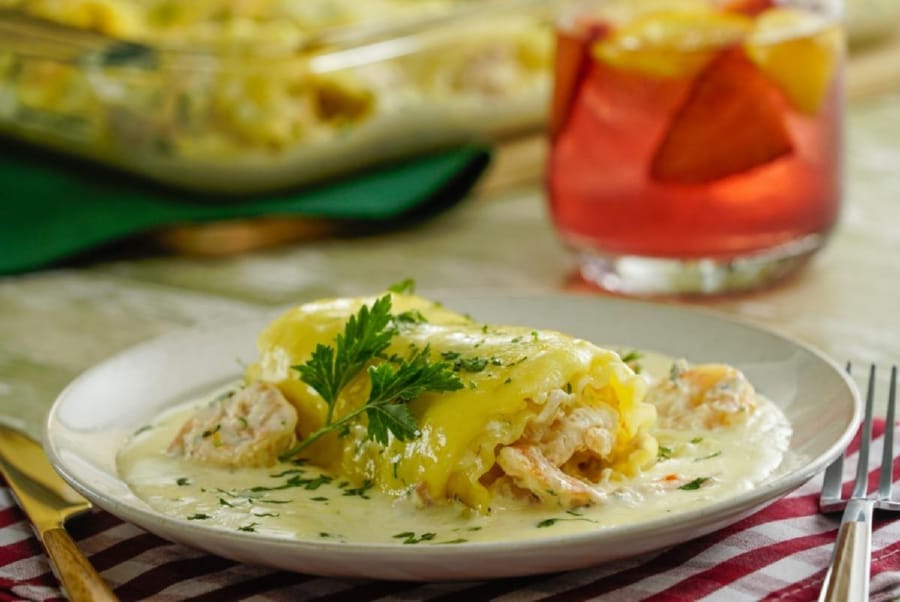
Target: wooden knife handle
79 578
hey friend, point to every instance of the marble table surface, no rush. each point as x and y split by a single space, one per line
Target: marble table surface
56 323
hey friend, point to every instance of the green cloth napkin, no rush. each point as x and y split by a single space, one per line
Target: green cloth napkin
52 207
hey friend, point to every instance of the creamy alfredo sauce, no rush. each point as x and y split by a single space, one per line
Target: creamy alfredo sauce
299 501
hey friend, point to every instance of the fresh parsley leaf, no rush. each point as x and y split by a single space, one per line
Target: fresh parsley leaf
366 334
395 418
407 285
663 452
403 383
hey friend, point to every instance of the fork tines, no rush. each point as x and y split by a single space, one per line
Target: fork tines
831 499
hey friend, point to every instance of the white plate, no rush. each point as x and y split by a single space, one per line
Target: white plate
92 417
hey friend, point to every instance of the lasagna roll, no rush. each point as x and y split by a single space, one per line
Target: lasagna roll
541 416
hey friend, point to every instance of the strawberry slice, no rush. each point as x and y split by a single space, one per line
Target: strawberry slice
572 61
751 8
729 123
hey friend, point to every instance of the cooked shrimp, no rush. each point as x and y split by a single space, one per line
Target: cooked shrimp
584 429
529 469
538 462
705 395
250 427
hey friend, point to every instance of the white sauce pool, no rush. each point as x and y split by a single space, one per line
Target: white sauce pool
303 502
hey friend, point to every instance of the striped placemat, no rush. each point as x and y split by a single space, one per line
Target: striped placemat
780 553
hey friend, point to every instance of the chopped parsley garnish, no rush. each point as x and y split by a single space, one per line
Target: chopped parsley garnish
143 429
284 473
243 421
507 381
534 335
319 498
467 364
697 440
309 484
251 528
413 316
360 491
262 514
199 516
224 502
568 388
631 359
182 481
209 433
409 537
405 286
695 484
459 540
367 334
474 364
712 455
516 340
663 452
549 522
484 328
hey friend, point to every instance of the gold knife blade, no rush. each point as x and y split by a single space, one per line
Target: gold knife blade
49 502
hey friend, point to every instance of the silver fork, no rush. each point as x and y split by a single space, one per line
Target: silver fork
847 579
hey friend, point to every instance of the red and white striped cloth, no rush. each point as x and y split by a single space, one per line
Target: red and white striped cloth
779 553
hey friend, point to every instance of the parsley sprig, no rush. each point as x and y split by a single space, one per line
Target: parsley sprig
366 336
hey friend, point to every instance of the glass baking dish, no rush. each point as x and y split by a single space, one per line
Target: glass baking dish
243 104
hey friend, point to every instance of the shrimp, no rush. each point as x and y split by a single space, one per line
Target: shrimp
250 427
539 462
702 396
530 470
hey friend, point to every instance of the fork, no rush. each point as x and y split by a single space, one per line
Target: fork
847 579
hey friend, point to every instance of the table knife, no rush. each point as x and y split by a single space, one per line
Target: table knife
49 502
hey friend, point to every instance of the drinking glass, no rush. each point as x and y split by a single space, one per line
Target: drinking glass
696 145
